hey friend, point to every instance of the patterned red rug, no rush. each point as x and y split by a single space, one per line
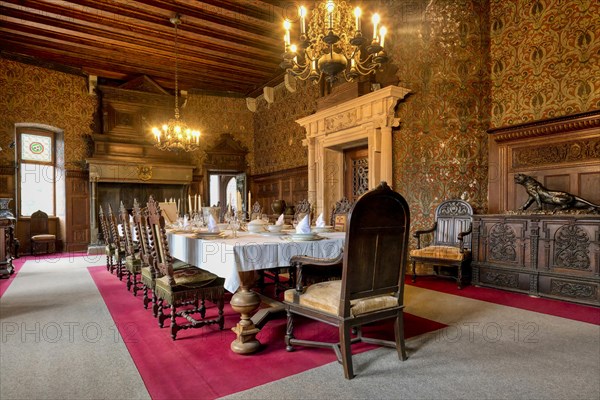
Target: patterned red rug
199 364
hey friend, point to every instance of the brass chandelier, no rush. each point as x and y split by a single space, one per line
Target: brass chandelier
175 135
333 44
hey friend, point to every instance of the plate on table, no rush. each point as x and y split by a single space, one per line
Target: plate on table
265 233
304 237
209 235
320 229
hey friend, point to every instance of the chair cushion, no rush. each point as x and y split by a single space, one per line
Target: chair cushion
43 237
185 279
440 252
325 297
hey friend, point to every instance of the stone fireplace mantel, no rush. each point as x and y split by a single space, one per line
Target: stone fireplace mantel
366 120
102 170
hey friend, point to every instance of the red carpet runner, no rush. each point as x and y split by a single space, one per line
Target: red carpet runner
199 364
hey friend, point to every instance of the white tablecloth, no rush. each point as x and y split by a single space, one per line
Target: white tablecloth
248 252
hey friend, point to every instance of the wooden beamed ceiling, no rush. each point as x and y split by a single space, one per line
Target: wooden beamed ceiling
225 46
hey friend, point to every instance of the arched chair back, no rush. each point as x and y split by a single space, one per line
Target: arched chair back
38 233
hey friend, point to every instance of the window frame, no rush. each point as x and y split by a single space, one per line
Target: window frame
20 162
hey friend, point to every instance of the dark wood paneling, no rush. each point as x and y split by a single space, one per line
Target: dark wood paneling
561 153
290 185
78 211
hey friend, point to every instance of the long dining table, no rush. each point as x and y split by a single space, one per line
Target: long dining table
237 259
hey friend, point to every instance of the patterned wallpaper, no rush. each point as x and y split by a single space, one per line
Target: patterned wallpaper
37 95
440 150
545 59
214 115
278 138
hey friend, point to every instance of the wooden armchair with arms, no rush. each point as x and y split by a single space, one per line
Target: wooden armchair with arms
38 233
185 288
451 244
372 284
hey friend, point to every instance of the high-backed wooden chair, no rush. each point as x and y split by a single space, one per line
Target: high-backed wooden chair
372 284
117 242
301 209
183 286
38 233
451 244
339 214
133 262
256 211
147 270
106 235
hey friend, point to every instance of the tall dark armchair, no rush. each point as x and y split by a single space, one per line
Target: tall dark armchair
451 244
372 285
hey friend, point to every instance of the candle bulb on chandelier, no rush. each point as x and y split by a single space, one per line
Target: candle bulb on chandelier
382 33
357 14
375 20
302 13
330 7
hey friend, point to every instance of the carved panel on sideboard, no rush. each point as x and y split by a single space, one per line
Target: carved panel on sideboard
562 153
556 256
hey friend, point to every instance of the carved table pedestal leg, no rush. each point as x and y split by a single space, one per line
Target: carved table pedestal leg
245 301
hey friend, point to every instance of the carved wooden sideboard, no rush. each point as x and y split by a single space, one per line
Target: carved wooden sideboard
555 256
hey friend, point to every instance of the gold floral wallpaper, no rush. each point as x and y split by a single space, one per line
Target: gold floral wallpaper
278 138
545 59
214 115
32 94
440 150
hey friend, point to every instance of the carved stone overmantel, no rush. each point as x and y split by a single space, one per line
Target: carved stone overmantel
369 120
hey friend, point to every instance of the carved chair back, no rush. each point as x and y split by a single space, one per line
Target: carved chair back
375 250
158 240
256 211
104 226
114 232
339 214
302 208
127 237
451 218
38 224
140 225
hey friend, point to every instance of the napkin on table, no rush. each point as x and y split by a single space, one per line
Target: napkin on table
320 221
279 220
212 224
303 226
